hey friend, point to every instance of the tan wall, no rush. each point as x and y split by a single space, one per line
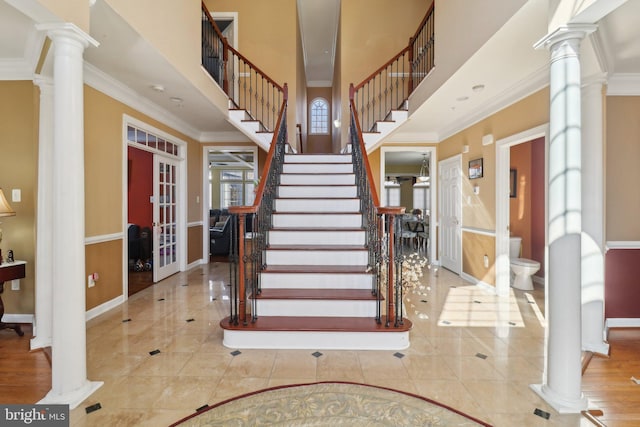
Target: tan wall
622 172
375 31
76 11
319 143
267 37
479 210
301 101
18 169
194 242
474 247
106 260
103 184
337 101
374 163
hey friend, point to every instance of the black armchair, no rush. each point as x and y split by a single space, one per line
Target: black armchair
220 235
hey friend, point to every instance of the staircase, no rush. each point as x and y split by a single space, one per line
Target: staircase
383 128
315 288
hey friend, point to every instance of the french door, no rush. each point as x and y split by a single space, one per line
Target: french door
451 214
165 217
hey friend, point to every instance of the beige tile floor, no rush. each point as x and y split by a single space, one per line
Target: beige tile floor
193 368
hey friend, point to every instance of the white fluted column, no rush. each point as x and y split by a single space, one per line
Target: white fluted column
44 222
69 383
561 387
593 240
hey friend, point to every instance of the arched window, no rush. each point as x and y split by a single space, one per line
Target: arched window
319 114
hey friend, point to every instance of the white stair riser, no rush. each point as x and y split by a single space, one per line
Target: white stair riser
309 168
317 179
315 281
318 158
316 257
278 237
304 191
319 220
316 340
313 308
238 115
317 205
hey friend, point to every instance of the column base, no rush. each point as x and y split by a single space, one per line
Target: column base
74 398
601 348
37 342
560 404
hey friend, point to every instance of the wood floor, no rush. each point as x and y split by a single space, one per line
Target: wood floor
25 376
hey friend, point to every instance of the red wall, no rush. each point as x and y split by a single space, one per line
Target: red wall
622 291
140 183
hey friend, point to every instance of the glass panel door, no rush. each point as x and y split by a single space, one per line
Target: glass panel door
165 239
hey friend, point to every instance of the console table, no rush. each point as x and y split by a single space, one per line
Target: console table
10 271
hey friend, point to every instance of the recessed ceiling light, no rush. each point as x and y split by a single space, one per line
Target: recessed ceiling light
477 88
157 88
176 100
462 98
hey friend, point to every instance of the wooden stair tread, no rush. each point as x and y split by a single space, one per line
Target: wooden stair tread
317 185
316 213
316 248
315 269
317 294
316 324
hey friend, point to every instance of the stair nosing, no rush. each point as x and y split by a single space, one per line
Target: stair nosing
317 324
316 294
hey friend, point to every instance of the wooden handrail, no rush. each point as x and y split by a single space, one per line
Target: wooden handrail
227 46
379 70
374 193
422 23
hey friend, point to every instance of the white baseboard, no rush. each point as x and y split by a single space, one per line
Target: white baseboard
196 263
103 308
622 323
17 318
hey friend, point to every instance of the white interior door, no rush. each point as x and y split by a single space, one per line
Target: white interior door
165 218
451 214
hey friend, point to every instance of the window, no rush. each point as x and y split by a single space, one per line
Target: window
236 188
319 116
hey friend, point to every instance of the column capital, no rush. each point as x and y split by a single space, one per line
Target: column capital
66 29
43 82
564 33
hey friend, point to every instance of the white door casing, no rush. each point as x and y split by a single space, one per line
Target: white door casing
450 213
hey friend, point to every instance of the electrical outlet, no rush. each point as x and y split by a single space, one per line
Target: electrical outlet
15 285
90 281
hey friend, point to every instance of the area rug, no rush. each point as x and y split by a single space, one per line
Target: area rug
472 306
329 404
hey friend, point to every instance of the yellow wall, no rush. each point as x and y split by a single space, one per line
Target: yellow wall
375 31
622 172
76 11
18 169
267 33
478 211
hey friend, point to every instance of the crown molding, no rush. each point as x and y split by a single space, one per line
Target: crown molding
525 87
624 84
101 81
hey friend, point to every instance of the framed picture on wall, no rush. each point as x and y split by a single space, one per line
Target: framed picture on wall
513 182
475 168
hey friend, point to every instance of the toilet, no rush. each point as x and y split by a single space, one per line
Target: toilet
522 268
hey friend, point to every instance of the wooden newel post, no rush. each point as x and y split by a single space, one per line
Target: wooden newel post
391 313
242 294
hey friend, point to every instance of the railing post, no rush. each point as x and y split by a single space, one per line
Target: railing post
391 312
411 47
225 61
242 294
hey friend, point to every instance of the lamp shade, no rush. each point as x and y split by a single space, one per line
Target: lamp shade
5 209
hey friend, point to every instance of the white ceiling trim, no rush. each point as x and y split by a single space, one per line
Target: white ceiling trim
624 84
15 69
527 86
224 137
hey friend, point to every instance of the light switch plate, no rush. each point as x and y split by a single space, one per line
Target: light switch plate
15 285
16 195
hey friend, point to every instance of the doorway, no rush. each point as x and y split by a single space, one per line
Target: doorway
230 175
504 199
407 162
154 186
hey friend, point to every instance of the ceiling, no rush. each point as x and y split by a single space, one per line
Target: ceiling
128 67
